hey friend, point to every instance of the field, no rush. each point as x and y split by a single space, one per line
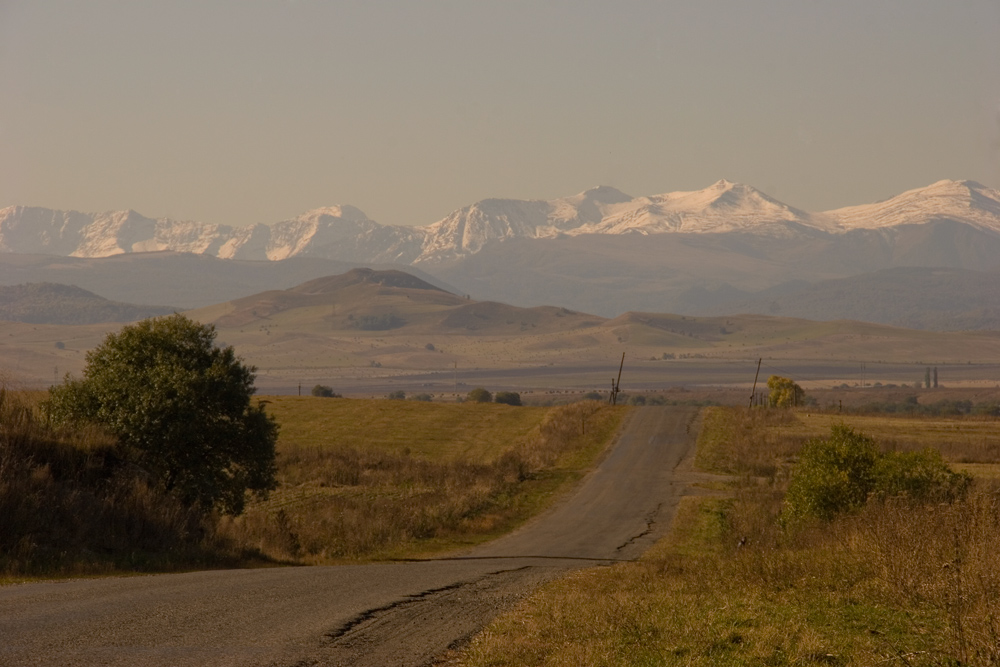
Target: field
375 478
895 583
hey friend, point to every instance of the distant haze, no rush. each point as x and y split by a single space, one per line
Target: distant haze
244 111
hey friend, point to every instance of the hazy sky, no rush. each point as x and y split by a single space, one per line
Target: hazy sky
250 111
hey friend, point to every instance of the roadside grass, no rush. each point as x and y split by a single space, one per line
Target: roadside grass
363 479
358 480
896 583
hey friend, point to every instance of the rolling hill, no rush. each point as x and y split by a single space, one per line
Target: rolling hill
50 303
371 331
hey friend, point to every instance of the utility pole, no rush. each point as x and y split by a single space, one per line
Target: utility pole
616 386
756 375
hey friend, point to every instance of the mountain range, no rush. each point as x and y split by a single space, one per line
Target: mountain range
728 246
346 233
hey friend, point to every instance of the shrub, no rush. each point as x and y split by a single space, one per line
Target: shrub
479 395
832 476
783 393
324 391
841 473
397 395
922 476
180 408
507 398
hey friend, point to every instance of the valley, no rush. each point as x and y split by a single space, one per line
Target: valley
368 332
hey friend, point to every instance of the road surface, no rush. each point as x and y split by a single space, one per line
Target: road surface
385 614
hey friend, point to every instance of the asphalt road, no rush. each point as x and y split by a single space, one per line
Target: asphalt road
386 614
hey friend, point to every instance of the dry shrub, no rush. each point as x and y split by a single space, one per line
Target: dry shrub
945 556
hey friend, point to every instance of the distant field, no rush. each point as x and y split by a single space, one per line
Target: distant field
438 431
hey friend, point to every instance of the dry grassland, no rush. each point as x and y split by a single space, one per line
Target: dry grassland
378 478
359 479
897 583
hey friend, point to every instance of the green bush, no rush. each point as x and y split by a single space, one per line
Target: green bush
841 473
923 476
324 391
832 476
479 395
397 395
507 398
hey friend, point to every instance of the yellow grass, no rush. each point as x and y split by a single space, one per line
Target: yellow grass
895 584
437 431
383 478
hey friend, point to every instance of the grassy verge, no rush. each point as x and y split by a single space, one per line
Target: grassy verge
376 478
358 480
895 583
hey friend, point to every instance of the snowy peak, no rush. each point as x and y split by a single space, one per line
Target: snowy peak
724 206
967 202
346 233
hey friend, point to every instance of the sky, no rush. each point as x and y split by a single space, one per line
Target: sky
245 111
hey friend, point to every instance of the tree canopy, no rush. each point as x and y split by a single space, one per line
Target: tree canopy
180 409
784 393
479 395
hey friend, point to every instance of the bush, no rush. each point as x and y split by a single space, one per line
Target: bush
324 391
832 476
922 476
422 397
783 393
507 398
840 474
398 395
179 408
479 395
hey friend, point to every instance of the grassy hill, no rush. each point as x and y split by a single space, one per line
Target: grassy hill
51 303
373 332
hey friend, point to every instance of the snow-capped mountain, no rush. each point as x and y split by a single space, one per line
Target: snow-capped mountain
963 201
346 233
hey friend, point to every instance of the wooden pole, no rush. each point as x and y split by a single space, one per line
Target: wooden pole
756 375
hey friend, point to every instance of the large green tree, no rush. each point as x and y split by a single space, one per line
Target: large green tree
181 409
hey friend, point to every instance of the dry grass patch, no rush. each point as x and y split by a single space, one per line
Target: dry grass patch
899 582
380 478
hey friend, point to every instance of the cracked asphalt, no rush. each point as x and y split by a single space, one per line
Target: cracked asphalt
387 614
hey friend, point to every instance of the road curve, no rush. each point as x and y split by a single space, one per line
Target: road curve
379 614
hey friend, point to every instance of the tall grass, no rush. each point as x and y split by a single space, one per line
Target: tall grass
347 502
898 582
70 505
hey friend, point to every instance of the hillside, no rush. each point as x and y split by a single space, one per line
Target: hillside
938 299
184 279
50 303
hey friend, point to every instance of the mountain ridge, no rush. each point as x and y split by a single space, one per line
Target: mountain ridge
346 233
